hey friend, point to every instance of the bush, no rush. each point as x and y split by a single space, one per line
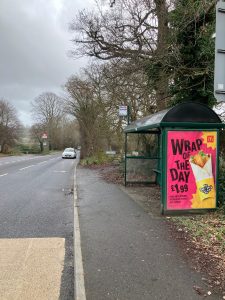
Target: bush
25 149
98 159
15 151
34 149
22 148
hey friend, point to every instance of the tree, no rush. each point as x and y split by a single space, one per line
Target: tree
95 98
9 125
123 87
69 133
169 40
48 110
83 106
127 88
36 132
192 51
134 31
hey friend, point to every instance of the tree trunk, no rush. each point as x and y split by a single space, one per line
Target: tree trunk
41 146
161 53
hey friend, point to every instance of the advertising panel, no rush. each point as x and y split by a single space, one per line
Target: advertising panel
191 169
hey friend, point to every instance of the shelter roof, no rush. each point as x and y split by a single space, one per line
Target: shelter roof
186 115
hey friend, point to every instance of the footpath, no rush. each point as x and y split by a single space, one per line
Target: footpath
129 254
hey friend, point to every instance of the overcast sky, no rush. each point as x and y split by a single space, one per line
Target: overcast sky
34 46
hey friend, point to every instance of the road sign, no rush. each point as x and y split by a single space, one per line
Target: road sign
44 136
219 73
123 111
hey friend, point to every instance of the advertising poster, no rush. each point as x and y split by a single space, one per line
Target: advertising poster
191 169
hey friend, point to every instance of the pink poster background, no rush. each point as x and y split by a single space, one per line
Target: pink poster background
186 186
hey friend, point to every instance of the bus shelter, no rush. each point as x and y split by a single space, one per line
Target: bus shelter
177 148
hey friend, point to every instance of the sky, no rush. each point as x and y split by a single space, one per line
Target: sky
34 50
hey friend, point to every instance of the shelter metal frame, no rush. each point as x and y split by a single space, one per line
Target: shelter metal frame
185 116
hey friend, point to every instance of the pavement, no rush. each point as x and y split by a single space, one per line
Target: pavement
31 268
127 253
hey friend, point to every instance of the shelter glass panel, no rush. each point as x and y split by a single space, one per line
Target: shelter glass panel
143 145
141 170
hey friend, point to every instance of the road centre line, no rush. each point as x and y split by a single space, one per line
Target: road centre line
24 167
24 159
79 292
21 160
27 167
4 174
42 162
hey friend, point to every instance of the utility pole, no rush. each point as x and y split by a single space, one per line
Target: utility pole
219 73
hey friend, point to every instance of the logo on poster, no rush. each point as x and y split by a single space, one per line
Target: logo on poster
210 139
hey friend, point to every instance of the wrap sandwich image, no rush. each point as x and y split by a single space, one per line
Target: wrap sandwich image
201 164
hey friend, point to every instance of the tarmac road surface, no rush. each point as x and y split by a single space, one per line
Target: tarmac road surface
36 228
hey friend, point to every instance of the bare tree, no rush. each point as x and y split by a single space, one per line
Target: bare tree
9 125
119 32
121 87
48 110
95 98
37 130
135 31
83 106
128 88
69 133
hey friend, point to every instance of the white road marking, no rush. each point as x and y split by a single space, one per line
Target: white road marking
60 171
27 167
42 162
3 174
27 159
79 286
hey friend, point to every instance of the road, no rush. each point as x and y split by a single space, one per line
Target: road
36 227
127 254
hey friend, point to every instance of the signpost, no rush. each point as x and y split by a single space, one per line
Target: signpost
44 138
123 111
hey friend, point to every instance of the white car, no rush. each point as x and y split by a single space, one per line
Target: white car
69 153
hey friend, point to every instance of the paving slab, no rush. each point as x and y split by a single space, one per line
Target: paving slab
31 268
